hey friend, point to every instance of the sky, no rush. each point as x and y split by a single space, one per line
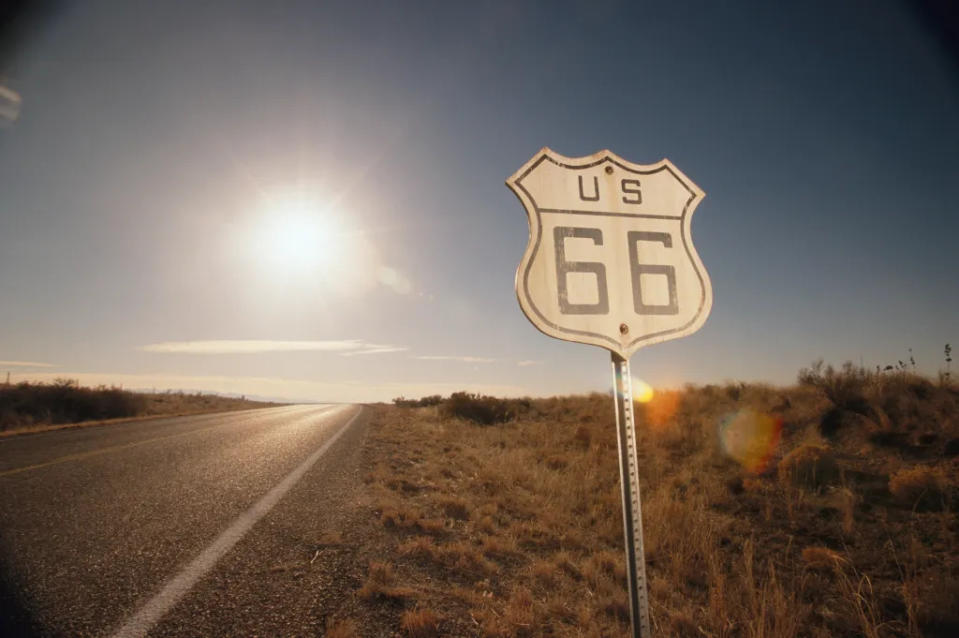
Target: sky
159 147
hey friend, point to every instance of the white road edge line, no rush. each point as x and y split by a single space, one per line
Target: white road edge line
150 614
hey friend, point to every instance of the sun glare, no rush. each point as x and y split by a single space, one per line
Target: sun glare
298 234
296 240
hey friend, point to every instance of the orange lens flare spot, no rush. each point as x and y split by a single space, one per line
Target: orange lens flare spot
661 408
642 391
750 438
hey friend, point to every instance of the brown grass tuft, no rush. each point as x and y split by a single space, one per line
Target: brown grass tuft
583 436
381 584
342 629
823 558
411 519
418 547
519 611
466 559
847 501
544 573
920 487
420 623
809 466
456 508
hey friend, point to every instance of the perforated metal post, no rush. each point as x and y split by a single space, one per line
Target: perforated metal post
632 506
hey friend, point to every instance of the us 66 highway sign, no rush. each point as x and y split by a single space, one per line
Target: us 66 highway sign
610 261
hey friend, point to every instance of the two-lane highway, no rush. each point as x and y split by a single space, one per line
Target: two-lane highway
110 530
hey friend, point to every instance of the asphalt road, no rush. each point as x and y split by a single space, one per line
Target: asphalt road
194 526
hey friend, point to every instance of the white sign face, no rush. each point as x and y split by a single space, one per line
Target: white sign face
610 261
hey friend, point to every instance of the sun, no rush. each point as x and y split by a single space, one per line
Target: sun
297 240
297 233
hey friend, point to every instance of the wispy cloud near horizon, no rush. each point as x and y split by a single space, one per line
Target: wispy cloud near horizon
455 358
374 348
528 362
258 346
28 364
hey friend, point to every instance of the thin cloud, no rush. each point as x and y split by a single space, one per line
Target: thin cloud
257 346
528 362
27 364
455 358
372 348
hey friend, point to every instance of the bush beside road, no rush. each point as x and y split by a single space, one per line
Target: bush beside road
32 406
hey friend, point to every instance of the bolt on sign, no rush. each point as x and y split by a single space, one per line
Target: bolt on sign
610 262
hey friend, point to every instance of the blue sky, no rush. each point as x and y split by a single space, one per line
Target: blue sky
135 188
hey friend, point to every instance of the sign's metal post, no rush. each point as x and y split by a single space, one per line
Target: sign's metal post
632 506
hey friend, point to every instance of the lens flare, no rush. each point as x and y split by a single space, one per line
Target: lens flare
661 408
750 438
393 279
642 391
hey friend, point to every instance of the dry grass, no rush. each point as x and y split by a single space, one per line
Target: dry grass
342 629
823 558
921 486
809 466
515 529
381 584
420 623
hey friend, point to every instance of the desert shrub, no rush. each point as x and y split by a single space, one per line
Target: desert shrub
424 402
482 409
479 408
920 387
831 422
734 390
809 466
924 487
65 401
845 388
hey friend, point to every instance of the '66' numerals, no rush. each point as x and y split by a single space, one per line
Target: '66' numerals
637 270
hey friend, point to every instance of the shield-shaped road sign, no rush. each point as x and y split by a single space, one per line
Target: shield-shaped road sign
610 261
